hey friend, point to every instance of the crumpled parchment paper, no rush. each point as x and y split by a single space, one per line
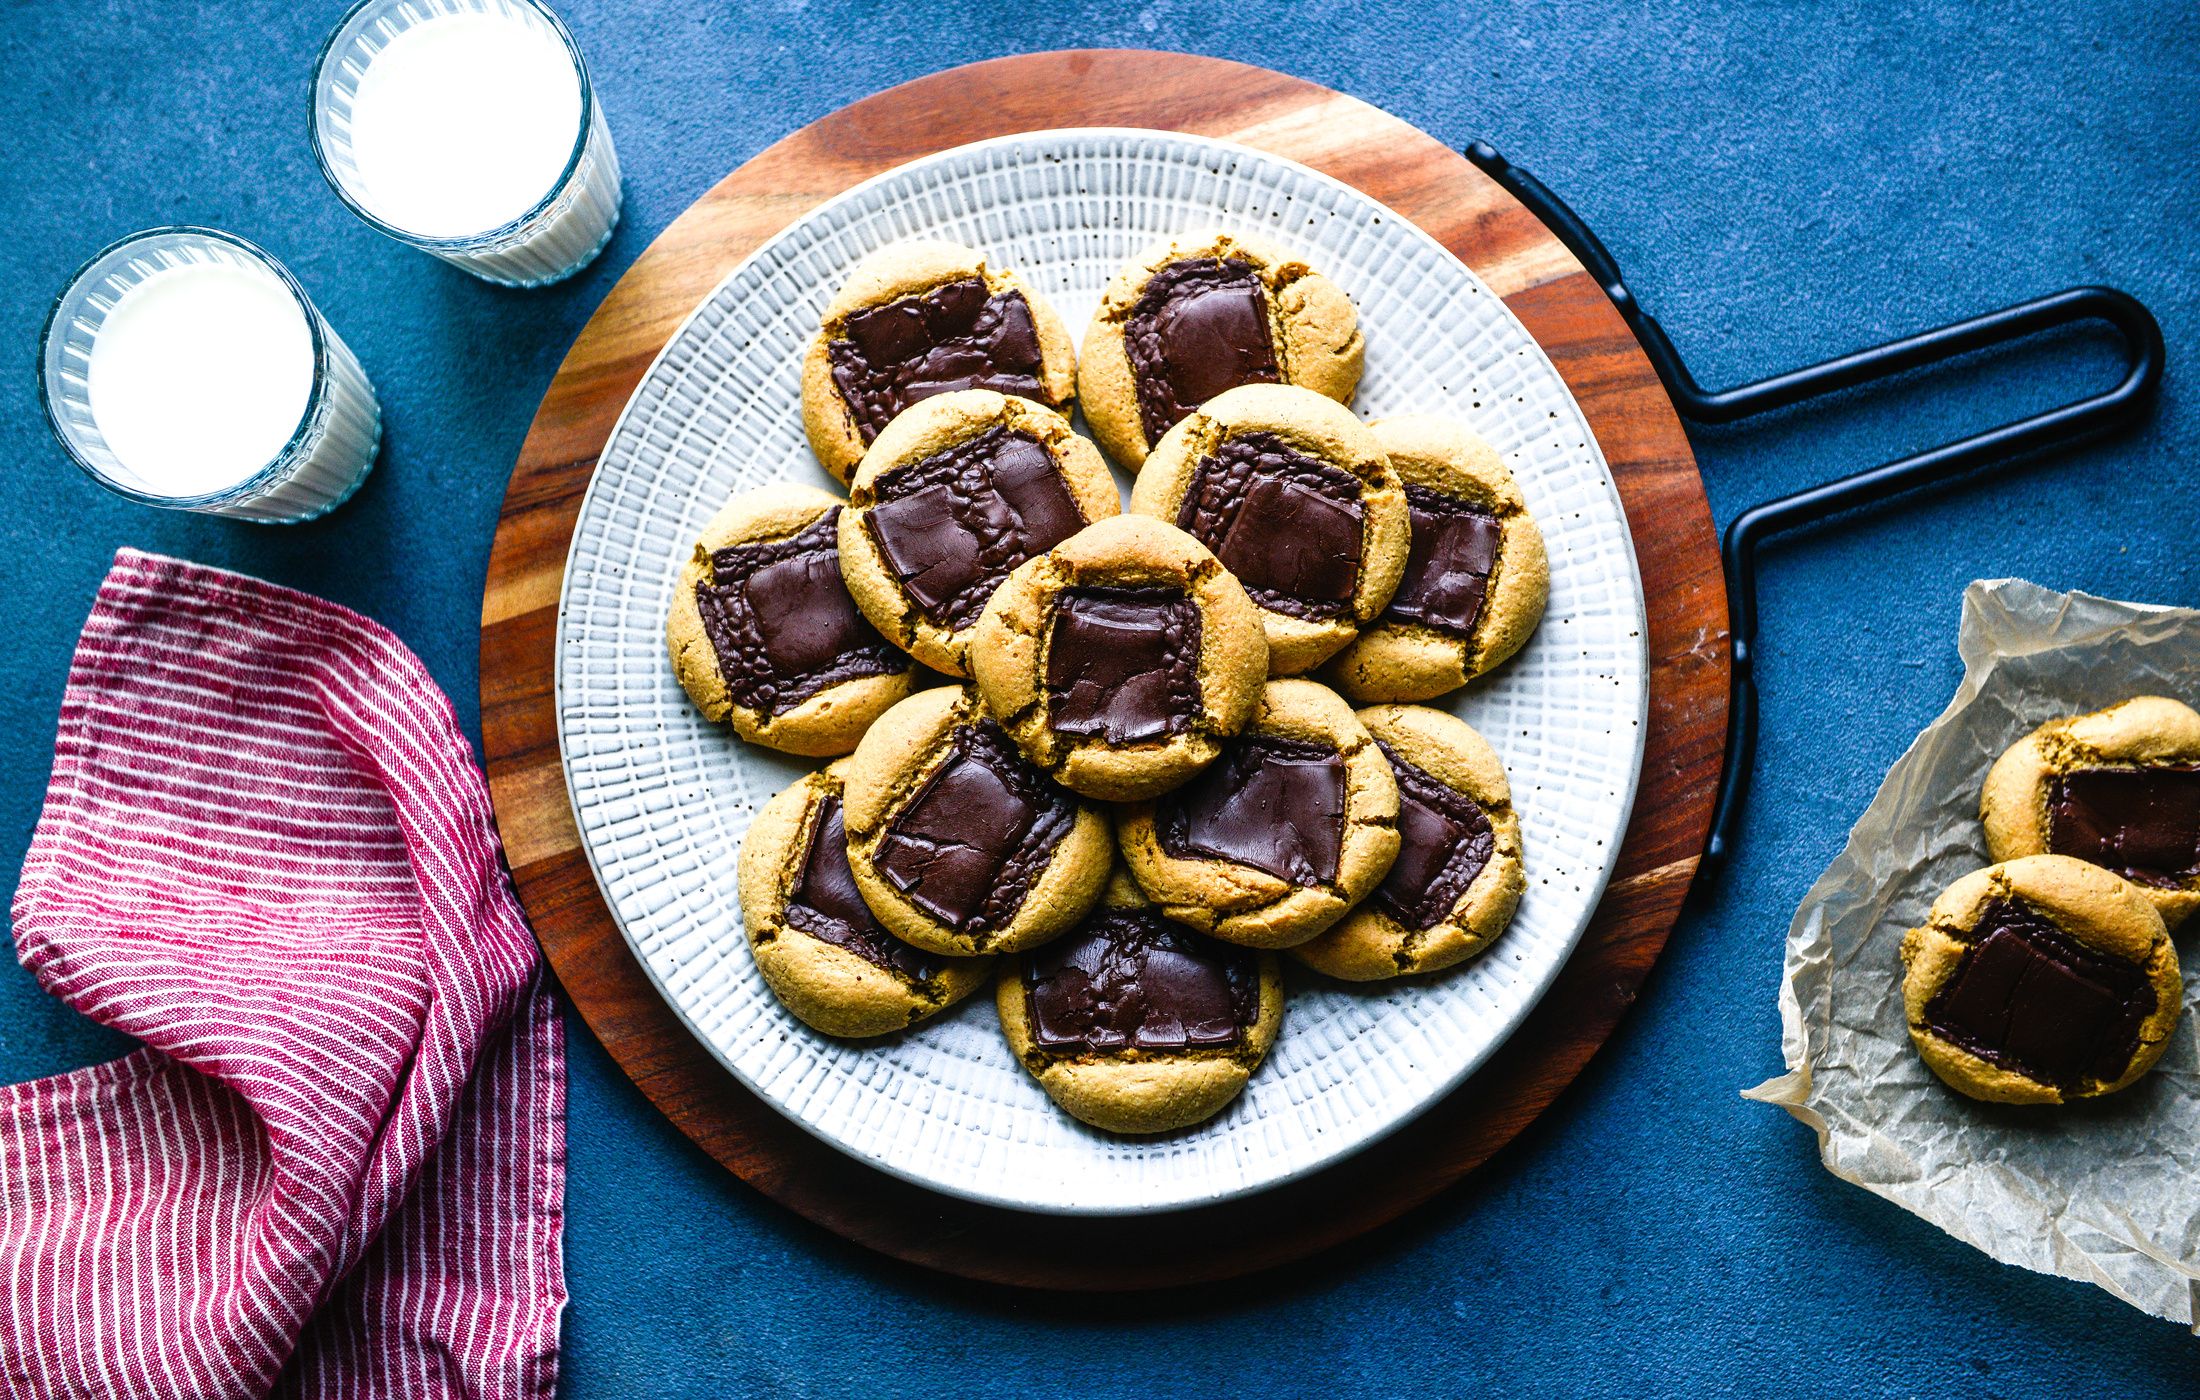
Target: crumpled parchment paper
2106 1192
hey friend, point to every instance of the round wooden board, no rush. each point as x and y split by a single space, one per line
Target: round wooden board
1511 251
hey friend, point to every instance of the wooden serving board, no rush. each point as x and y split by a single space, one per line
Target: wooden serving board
1511 251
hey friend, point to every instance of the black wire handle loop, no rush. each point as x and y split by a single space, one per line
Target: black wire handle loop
2118 406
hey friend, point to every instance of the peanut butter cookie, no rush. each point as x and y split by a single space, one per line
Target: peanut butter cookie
2040 980
918 319
764 635
1295 497
1121 660
822 952
1458 876
1294 824
1188 319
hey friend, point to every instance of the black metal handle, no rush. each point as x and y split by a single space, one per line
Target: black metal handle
2115 407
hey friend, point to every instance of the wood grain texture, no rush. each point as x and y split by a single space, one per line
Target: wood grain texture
1511 251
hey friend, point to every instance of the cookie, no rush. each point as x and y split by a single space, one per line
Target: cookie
952 497
1476 578
1458 876
2119 787
1293 495
1188 319
918 319
1121 660
1136 1024
1294 824
2040 980
764 635
822 952
960 846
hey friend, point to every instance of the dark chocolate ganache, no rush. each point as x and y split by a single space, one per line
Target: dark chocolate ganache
826 904
2142 823
1137 981
1199 327
1123 664
1273 804
953 525
2030 998
1288 526
970 844
955 336
1448 571
1444 841
781 623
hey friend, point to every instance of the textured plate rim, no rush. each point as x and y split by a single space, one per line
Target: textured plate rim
1593 889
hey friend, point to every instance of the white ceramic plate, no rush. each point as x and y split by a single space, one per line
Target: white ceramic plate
662 798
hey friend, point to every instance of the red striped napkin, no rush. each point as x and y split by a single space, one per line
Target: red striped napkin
337 1167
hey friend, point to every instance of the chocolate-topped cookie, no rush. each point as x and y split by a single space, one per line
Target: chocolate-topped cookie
1294 824
1122 659
1294 496
2041 980
1458 876
1187 320
765 636
2119 787
1476 577
954 496
958 844
821 950
919 319
1136 1024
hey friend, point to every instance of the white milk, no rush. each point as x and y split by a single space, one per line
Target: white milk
463 123
200 375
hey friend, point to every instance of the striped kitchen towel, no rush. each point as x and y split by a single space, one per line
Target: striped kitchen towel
337 1166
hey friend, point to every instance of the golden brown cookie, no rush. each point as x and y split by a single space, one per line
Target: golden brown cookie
2119 787
1188 319
1136 1024
764 635
1294 824
1476 578
1458 876
1121 660
918 319
1295 497
959 845
2040 980
822 952
953 496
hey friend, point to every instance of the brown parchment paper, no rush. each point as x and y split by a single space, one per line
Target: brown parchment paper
2106 1192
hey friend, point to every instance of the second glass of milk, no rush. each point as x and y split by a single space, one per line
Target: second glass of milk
468 129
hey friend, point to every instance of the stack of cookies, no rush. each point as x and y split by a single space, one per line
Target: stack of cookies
1089 745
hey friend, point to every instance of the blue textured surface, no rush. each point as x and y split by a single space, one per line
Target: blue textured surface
1782 182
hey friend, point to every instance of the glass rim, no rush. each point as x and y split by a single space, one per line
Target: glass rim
471 242
266 474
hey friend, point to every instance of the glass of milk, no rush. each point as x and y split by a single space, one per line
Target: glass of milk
184 367
469 129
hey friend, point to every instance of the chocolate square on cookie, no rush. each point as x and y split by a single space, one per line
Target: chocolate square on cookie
2142 823
1200 327
966 846
1272 803
1288 526
1123 663
1448 569
956 336
1131 979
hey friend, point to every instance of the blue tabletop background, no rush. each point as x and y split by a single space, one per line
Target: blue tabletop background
1782 182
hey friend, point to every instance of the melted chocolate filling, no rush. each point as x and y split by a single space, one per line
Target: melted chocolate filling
970 844
2143 823
953 525
1288 526
782 625
1448 572
826 904
1123 664
2031 998
1136 981
1198 328
1444 840
952 337
1273 804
